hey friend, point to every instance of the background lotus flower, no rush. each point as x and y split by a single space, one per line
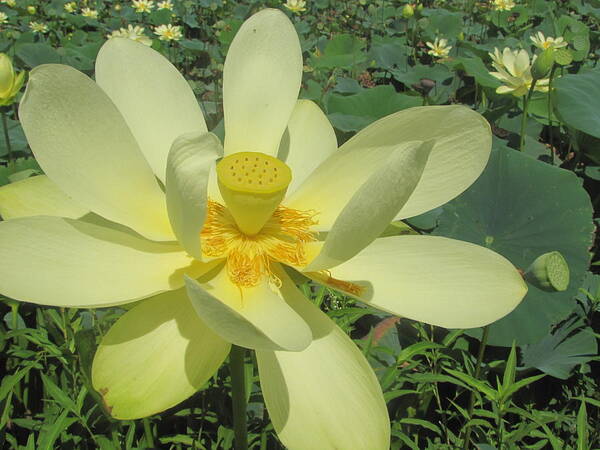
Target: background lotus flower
514 70
138 242
439 48
543 42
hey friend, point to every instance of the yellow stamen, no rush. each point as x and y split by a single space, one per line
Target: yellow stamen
249 257
253 185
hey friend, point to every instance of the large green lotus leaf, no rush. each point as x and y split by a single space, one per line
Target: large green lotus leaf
576 100
343 51
355 112
522 208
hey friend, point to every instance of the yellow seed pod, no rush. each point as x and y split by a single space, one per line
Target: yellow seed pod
253 185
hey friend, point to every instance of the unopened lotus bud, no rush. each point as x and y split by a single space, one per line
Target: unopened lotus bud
31 9
408 11
542 64
10 84
549 272
419 7
461 36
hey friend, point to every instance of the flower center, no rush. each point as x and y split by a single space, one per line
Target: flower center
252 185
249 257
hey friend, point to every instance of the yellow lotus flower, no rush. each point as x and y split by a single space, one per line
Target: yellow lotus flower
540 41
10 82
90 13
503 5
142 6
3 18
207 255
38 27
514 70
168 32
10 3
135 33
70 7
165 5
439 48
295 6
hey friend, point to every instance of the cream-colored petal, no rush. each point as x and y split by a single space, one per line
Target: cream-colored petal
504 90
65 262
376 197
508 59
257 317
155 356
462 147
436 280
309 139
261 82
326 396
156 101
84 146
37 196
521 62
191 159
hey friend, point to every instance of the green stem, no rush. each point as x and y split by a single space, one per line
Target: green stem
238 395
550 109
482 345
524 118
148 433
6 136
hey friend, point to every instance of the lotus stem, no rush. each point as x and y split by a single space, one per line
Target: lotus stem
238 395
524 118
6 136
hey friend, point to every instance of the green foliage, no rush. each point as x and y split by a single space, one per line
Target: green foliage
529 381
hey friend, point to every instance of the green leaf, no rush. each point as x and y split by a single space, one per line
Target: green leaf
50 432
344 51
58 394
479 385
557 353
474 67
519 385
509 371
576 101
354 112
35 54
522 208
582 430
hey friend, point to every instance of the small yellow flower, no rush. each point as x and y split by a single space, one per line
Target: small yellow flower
503 5
10 3
38 27
118 7
295 6
3 18
540 41
514 70
70 7
135 33
31 9
165 5
439 48
142 6
90 13
168 32
10 82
